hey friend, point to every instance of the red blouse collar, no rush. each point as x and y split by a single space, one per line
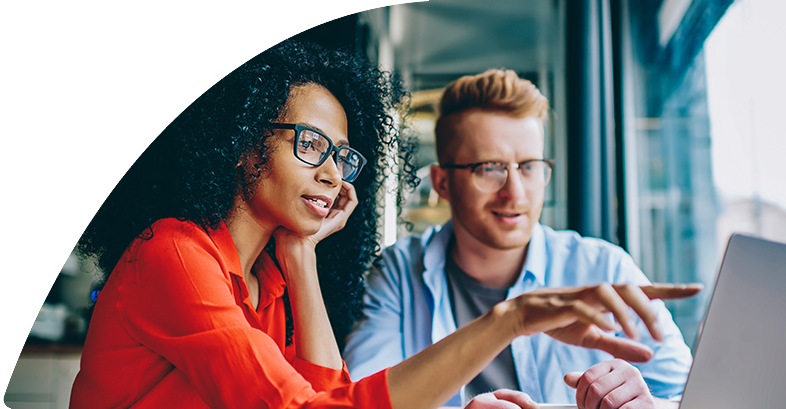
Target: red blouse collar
271 280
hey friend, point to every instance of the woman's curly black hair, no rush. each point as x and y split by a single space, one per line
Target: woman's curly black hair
190 171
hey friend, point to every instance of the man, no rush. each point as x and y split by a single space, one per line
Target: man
489 140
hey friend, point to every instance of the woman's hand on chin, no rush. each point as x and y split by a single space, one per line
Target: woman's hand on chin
336 219
339 213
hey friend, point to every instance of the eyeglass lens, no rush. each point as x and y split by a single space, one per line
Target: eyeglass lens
313 148
491 177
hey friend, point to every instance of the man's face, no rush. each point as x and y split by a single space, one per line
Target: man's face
503 219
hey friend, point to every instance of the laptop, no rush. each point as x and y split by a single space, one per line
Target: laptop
740 355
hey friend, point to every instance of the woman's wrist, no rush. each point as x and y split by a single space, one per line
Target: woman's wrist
506 316
295 260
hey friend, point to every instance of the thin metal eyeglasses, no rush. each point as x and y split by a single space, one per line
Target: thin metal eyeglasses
314 148
490 177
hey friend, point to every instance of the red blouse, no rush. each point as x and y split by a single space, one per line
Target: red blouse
174 328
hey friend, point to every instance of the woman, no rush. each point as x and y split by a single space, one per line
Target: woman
215 237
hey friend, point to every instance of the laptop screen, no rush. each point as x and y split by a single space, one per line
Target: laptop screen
740 356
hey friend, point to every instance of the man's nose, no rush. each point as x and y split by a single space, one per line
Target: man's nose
514 188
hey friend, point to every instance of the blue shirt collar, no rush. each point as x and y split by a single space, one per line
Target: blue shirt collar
437 239
537 257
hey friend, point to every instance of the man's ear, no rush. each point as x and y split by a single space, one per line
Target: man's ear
439 182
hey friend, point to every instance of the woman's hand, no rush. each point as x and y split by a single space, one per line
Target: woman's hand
291 244
339 213
571 315
295 253
502 399
577 315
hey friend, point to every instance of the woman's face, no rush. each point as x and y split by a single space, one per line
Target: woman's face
291 193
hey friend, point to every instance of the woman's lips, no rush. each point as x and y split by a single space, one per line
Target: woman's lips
319 204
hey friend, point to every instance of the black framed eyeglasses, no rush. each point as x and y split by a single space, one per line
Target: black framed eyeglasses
490 177
314 148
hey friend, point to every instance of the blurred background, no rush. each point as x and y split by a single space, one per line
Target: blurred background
665 126
664 120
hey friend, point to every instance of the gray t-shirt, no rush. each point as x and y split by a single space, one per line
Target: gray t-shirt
470 300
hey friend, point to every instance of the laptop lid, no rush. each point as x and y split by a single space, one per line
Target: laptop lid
740 358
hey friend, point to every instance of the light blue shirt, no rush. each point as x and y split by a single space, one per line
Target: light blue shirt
407 308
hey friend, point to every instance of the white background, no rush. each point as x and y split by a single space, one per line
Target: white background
85 86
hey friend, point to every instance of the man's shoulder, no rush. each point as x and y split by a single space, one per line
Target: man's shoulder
414 243
575 257
561 242
407 253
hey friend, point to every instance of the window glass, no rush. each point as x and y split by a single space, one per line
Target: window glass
701 144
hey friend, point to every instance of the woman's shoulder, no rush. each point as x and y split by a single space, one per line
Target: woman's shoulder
175 227
177 231
174 249
172 237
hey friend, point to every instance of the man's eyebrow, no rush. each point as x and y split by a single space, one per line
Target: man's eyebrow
340 142
503 161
